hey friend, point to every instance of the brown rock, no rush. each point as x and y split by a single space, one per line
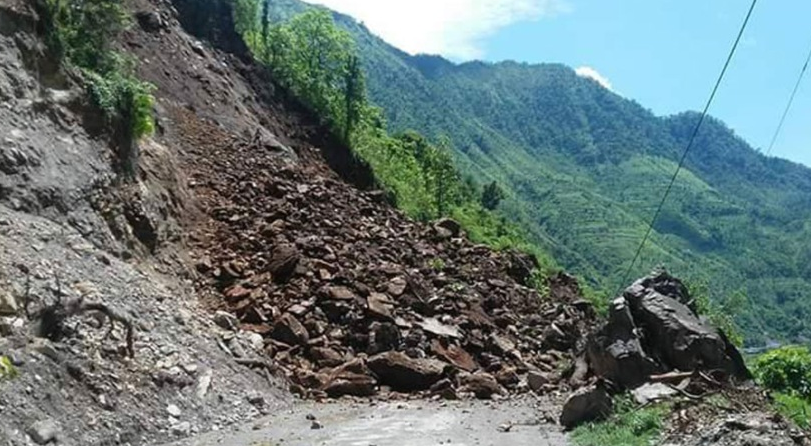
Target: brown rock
483 385
383 337
436 328
448 228
237 293
501 345
521 266
455 355
340 293
8 304
379 306
310 380
397 286
290 331
536 380
402 373
508 377
352 384
326 357
283 261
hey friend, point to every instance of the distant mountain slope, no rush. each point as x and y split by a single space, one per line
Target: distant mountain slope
585 169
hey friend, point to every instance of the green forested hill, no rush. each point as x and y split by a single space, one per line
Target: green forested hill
584 169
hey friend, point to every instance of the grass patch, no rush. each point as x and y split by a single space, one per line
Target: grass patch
795 408
629 426
7 369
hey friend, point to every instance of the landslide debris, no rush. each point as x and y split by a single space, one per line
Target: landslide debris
352 297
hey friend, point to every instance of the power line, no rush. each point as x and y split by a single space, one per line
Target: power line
687 149
790 101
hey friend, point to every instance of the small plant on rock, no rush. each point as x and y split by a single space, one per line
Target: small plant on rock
437 264
537 280
7 369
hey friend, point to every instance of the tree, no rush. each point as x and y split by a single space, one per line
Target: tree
492 196
245 15
354 95
317 62
264 23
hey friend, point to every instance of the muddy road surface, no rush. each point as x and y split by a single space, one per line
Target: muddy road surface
414 423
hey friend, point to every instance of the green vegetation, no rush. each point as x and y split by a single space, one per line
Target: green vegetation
720 312
795 408
582 170
492 196
629 426
7 369
437 264
787 371
82 33
318 63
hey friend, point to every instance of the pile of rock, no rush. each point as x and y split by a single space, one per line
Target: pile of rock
653 329
352 297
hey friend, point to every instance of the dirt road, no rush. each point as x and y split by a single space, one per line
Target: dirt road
417 423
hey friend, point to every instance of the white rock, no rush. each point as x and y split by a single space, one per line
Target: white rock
181 429
43 432
256 340
203 384
8 304
648 393
174 410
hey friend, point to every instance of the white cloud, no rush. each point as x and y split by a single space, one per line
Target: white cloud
452 28
591 73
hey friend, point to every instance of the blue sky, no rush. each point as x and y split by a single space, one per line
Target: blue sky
665 54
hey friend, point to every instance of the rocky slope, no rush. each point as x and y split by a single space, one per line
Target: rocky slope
329 273
73 235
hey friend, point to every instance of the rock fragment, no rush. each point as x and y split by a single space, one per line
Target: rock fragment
586 404
44 432
400 372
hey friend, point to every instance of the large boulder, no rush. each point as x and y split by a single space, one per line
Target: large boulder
615 352
654 328
674 333
664 283
586 404
401 372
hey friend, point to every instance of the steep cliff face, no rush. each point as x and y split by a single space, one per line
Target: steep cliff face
76 235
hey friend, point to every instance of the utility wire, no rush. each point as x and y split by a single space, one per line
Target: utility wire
790 101
687 149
